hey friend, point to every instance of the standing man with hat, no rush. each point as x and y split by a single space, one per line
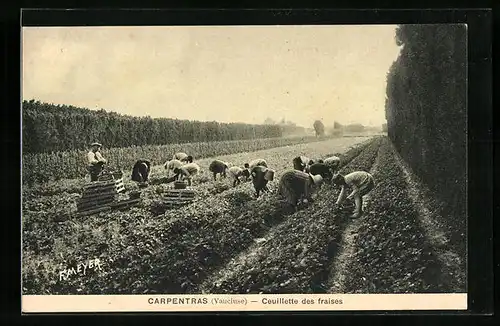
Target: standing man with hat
296 186
95 161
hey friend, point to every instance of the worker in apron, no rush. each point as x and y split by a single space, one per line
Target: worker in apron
296 187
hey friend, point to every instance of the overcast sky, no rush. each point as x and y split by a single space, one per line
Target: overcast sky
228 74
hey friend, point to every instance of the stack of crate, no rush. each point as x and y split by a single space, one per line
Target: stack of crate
178 197
102 195
116 177
98 194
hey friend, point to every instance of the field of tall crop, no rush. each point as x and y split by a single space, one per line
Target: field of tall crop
229 242
45 167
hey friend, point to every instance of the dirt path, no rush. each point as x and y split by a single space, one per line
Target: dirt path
452 263
248 256
397 247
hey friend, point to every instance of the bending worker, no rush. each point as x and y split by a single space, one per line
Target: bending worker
297 186
237 174
361 182
187 172
172 165
183 157
300 163
140 171
259 180
218 167
333 162
95 161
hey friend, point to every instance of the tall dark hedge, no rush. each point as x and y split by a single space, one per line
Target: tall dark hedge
50 128
426 111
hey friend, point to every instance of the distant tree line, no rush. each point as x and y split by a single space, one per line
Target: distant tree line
49 128
426 110
288 128
338 129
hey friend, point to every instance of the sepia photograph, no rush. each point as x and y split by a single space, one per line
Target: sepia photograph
244 160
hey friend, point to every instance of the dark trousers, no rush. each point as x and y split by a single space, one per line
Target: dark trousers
94 171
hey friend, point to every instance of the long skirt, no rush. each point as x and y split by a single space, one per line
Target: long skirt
292 186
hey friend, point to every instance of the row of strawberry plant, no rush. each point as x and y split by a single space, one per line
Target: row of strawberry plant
391 252
297 251
165 233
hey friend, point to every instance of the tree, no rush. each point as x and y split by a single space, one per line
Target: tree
337 125
319 128
426 110
269 121
354 127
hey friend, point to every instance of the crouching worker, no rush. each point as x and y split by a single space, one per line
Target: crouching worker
321 169
218 167
259 179
297 186
236 173
183 157
172 165
95 161
140 171
187 172
361 182
333 162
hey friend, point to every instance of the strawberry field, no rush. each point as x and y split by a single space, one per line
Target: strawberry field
227 241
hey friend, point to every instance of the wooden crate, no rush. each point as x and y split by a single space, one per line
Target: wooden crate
98 194
116 177
125 204
117 205
178 197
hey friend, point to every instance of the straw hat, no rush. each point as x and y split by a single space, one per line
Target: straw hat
317 179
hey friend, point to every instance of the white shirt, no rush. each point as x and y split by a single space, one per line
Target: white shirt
94 158
180 156
172 164
354 180
191 168
235 171
332 161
